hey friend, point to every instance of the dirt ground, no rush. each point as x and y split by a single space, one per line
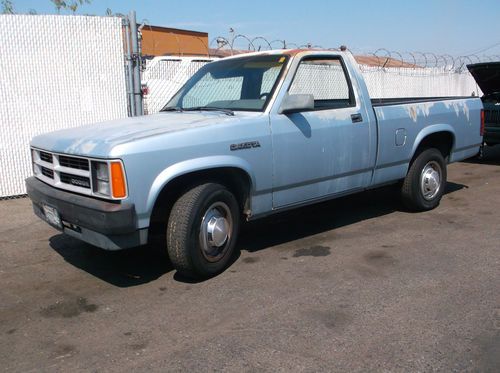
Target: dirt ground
355 284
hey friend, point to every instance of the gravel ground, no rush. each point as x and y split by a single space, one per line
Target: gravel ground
356 284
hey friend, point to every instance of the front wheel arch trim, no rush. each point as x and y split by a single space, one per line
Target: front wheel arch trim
195 165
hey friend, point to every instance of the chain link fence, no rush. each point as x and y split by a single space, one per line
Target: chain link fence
388 74
422 82
60 72
163 76
56 72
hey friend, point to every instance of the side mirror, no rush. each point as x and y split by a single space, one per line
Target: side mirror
296 103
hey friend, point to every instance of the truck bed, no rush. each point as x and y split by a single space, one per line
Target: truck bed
404 122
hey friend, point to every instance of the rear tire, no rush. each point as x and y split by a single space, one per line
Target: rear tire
202 230
425 181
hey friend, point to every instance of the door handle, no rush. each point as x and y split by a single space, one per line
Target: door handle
356 118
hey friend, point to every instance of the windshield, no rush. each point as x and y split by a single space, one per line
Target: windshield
244 83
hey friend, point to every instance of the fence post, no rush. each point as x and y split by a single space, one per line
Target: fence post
128 59
136 64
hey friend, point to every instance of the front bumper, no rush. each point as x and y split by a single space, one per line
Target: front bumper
108 225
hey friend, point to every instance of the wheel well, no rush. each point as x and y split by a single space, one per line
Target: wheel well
235 179
443 141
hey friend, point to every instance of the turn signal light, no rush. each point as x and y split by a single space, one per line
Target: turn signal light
118 180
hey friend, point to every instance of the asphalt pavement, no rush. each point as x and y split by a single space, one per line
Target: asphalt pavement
356 284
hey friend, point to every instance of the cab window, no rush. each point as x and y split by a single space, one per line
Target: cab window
326 79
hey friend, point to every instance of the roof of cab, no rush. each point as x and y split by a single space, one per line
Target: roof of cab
289 52
367 60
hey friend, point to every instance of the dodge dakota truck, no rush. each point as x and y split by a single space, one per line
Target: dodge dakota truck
245 137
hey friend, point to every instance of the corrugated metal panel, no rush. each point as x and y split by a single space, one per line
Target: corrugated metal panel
55 72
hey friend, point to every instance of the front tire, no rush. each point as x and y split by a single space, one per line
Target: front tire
202 230
425 182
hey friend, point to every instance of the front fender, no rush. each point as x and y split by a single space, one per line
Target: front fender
193 165
429 130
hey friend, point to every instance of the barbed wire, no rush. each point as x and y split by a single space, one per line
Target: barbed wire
381 58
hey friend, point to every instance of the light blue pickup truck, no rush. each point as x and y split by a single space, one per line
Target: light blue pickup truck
247 136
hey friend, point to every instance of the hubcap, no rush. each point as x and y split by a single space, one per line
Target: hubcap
217 229
430 180
215 232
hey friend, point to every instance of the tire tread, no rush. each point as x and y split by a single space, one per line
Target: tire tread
178 226
181 234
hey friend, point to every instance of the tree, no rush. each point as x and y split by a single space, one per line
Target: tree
7 7
69 5
109 13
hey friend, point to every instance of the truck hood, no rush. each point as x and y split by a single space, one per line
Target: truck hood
98 139
487 76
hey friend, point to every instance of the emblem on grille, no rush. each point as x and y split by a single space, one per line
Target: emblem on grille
80 183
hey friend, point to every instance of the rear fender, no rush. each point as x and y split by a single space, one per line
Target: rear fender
429 130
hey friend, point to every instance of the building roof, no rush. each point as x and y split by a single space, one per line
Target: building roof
383 62
174 30
366 60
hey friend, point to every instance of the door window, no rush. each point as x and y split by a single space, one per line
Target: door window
326 80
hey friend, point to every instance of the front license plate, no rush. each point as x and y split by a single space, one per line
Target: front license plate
52 216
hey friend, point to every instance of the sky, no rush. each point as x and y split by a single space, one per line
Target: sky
454 27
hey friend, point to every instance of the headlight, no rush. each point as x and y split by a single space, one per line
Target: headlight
100 175
109 179
101 171
36 169
102 187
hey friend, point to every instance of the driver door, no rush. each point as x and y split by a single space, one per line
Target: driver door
324 151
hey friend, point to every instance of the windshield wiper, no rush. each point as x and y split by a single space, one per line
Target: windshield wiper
210 108
172 108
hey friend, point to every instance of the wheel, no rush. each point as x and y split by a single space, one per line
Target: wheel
425 181
202 230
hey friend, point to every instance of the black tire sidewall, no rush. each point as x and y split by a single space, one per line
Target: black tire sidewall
213 193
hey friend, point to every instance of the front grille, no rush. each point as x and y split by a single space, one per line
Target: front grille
63 171
68 172
75 180
72 162
47 172
46 157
